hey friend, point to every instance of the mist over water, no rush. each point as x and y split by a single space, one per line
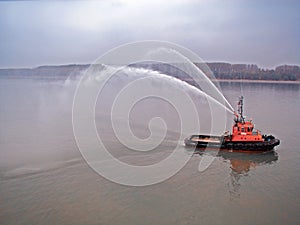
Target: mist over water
43 178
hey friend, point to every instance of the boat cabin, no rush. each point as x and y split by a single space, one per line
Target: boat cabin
243 131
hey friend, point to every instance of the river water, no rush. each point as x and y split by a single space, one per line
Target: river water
45 180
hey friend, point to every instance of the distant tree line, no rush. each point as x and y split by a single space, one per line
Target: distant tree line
212 70
252 72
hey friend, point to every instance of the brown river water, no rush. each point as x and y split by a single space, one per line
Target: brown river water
45 180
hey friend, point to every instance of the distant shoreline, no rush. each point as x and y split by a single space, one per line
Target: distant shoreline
257 81
213 80
222 72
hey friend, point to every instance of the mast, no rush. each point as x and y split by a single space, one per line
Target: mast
240 109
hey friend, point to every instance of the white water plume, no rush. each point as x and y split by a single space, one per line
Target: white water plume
128 73
140 72
185 64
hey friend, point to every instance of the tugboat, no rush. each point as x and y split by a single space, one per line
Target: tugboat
243 137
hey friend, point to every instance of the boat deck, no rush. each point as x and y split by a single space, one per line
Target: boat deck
206 139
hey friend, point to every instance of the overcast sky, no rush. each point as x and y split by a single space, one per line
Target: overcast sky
34 33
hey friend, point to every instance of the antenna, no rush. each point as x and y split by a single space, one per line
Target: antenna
240 108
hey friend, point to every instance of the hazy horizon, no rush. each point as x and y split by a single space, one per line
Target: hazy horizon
83 64
37 33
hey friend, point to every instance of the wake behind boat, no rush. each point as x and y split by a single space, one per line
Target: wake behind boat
243 137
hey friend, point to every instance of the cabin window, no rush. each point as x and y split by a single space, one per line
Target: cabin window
249 129
243 129
238 129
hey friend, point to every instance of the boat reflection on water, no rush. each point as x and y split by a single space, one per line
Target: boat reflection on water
241 163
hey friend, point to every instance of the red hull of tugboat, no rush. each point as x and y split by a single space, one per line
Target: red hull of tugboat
199 141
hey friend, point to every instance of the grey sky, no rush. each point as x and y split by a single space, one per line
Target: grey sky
36 33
